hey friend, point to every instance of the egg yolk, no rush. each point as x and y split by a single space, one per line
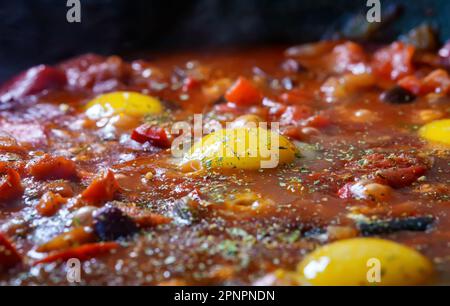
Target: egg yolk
437 131
243 148
127 103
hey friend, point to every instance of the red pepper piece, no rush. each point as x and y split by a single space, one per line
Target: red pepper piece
101 190
9 257
293 114
318 121
10 184
155 135
31 82
243 93
84 252
394 61
403 177
190 83
53 168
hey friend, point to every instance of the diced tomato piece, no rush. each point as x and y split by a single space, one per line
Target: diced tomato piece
348 57
143 218
395 61
10 184
411 83
50 203
190 83
102 189
9 257
52 168
296 96
295 113
378 161
155 135
401 177
84 252
293 132
151 220
396 171
31 82
318 121
404 209
437 81
243 93
95 72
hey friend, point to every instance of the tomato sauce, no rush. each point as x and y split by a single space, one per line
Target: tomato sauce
349 110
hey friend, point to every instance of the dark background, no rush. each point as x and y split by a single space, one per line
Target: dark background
36 31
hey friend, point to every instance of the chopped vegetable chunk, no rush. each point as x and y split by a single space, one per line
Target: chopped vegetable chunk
84 252
9 257
243 93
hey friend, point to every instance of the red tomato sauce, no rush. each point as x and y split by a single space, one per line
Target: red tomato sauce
353 113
